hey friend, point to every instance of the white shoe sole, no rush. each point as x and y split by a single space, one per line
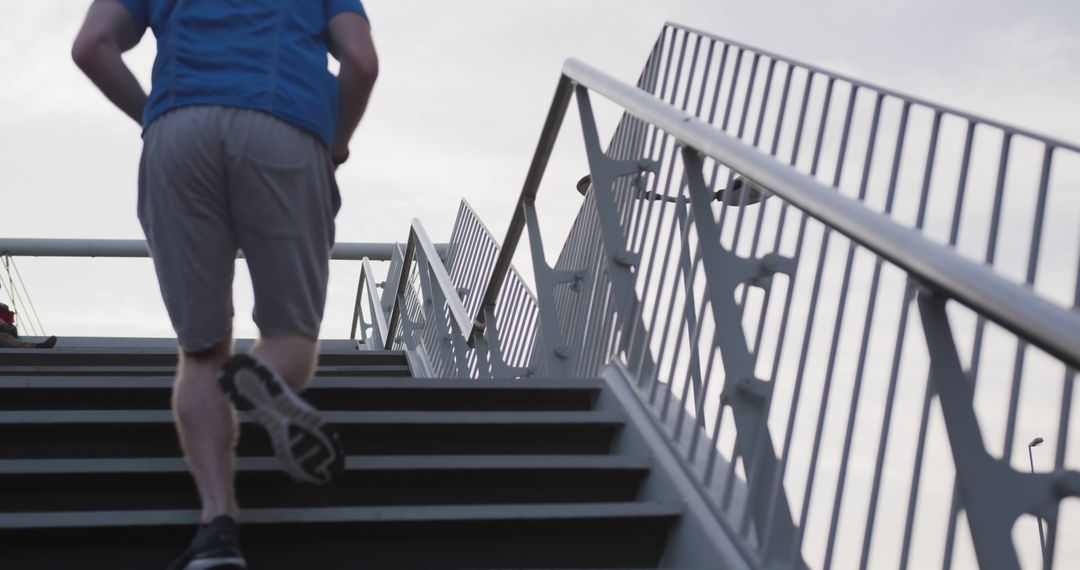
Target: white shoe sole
307 447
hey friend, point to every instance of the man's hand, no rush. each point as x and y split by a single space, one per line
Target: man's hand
108 32
339 156
350 43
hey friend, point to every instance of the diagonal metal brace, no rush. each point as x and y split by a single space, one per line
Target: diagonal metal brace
749 403
994 494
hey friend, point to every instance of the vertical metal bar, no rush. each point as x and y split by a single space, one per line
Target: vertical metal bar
778 478
883 440
759 225
642 131
663 149
744 196
662 350
954 235
705 80
900 136
719 84
897 352
749 95
991 247
764 102
928 391
999 194
755 462
834 345
1032 267
778 239
690 76
782 111
850 430
751 80
656 242
731 92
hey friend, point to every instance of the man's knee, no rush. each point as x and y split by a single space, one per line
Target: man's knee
216 353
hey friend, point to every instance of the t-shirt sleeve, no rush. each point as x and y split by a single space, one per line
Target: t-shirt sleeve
335 7
140 13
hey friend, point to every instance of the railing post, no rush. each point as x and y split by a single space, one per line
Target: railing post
621 262
558 356
747 395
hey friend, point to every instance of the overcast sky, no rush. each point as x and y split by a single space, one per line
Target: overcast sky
462 95
458 108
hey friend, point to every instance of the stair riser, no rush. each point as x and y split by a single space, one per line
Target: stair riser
556 543
266 489
62 358
160 440
168 371
324 398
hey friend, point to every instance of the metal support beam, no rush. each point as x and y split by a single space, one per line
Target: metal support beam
25 247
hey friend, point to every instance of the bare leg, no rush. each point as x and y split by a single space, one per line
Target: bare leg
207 425
293 357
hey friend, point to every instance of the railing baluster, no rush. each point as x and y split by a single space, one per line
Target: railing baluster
928 393
886 421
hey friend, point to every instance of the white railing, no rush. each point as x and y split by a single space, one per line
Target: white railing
817 343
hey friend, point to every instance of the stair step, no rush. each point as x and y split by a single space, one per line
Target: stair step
166 357
356 394
138 484
86 434
605 535
369 370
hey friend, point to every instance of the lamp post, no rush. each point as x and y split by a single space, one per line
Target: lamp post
1038 520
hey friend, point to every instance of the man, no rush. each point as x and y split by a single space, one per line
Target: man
243 129
9 333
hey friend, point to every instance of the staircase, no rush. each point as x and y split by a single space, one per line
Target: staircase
440 473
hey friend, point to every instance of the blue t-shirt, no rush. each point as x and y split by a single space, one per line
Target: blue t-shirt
267 55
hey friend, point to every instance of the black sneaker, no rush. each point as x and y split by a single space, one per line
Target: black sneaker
216 546
308 448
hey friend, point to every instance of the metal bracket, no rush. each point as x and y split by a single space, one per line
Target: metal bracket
754 388
560 277
993 493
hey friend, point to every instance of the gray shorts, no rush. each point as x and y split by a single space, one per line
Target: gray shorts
214 180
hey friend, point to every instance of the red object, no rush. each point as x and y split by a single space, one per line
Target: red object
7 317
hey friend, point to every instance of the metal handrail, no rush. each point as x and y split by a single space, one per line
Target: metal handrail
538 166
24 247
1014 307
418 236
882 90
1010 305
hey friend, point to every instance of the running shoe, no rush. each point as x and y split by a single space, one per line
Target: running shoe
216 546
308 448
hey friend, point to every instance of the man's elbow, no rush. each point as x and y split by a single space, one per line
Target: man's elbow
363 61
86 51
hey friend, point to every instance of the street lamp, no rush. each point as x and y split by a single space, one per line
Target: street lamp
739 185
1031 460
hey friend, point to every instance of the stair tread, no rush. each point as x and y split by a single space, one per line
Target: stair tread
53 417
339 382
166 351
390 514
352 463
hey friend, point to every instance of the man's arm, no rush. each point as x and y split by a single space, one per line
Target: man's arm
350 39
108 32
